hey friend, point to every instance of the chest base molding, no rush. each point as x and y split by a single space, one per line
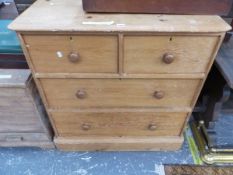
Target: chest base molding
119 143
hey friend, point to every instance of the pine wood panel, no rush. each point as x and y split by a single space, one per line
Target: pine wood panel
61 93
144 54
118 143
119 76
98 54
119 124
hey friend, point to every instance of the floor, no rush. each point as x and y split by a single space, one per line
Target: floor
31 161
34 161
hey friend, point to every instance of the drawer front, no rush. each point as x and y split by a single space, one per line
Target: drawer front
119 124
76 54
165 54
89 93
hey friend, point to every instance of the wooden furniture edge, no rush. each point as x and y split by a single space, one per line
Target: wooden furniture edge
118 143
121 110
76 13
121 75
37 82
198 91
120 33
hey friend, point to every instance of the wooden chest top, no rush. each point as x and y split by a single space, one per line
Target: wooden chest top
68 15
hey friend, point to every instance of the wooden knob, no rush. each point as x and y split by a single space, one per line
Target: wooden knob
152 127
168 58
159 94
81 94
74 57
86 127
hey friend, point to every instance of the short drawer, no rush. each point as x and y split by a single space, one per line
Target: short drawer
91 93
168 54
73 54
119 124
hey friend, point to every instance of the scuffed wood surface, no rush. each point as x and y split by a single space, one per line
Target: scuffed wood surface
112 93
118 143
118 124
43 51
144 54
68 15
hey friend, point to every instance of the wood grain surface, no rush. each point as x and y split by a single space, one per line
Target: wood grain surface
119 124
118 143
144 54
98 54
61 93
68 16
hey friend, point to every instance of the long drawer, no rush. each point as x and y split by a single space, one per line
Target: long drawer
118 124
73 54
91 93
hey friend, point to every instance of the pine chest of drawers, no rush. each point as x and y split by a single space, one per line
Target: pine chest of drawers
117 82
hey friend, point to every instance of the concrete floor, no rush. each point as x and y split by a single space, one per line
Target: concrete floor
31 161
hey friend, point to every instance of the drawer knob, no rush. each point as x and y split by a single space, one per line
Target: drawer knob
159 94
152 127
168 58
86 127
81 94
74 57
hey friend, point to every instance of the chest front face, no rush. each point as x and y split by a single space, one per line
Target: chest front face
130 85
